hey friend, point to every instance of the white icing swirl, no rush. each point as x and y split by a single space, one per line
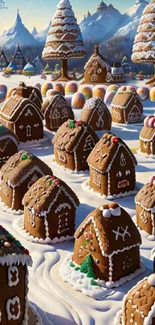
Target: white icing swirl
151 280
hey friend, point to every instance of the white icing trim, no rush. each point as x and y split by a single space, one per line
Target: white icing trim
12 259
10 302
67 170
25 176
19 227
5 208
3 137
13 269
152 210
30 143
139 152
86 187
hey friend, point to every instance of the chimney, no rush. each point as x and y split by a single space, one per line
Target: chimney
96 49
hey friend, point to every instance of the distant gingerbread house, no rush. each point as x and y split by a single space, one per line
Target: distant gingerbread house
73 143
147 137
117 73
112 167
49 210
126 107
139 304
96 114
145 208
30 92
97 69
109 236
24 118
56 112
14 262
8 144
17 176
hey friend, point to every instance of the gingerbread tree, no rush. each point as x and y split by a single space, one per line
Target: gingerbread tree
144 44
64 38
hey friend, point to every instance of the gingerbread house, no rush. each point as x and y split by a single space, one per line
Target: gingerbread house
111 238
14 262
30 92
112 167
117 73
17 175
24 118
49 210
97 69
147 137
145 208
73 143
96 114
57 112
139 304
8 144
126 107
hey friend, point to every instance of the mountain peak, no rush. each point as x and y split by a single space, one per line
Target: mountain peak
34 32
18 18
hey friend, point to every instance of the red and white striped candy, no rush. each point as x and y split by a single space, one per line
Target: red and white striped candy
152 180
150 121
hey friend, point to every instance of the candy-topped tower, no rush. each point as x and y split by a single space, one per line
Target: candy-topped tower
64 39
144 44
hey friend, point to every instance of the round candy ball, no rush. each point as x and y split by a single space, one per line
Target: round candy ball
71 88
58 86
37 85
69 99
109 97
143 93
152 94
112 88
3 92
86 91
78 100
45 87
99 91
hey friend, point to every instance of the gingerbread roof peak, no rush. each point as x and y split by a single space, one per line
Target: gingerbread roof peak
147 133
94 103
54 100
115 230
97 56
14 104
123 99
70 134
105 151
27 91
142 296
40 197
20 166
146 196
11 250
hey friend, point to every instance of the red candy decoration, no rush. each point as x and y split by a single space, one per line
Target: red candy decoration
115 140
26 252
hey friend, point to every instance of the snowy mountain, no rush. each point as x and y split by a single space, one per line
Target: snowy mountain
18 33
41 36
34 32
97 27
124 37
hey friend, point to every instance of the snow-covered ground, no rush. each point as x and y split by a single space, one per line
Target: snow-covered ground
55 300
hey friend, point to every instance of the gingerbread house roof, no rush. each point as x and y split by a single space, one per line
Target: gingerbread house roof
123 99
146 197
114 228
95 104
70 134
96 56
20 166
6 133
105 151
12 252
147 133
29 92
14 106
43 194
142 295
58 101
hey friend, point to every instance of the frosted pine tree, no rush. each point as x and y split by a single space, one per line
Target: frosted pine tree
64 38
144 44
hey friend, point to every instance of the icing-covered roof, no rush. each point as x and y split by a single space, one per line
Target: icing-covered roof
105 151
6 133
147 133
41 196
70 134
20 166
11 250
115 230
146 197
123 99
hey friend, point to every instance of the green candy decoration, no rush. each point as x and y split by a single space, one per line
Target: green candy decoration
2 128
72 264
87 267
71 124
24 156
94 283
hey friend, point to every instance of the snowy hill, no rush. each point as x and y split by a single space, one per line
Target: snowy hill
18 33
34 32
97 27
124 37
41 36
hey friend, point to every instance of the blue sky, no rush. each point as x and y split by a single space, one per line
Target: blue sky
39 12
